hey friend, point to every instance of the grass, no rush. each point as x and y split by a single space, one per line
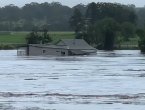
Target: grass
19 37
133 41
12 39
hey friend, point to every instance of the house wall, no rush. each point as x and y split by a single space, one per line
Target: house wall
60 43
36 51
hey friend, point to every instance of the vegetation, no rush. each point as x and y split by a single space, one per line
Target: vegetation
19 37
103 24
38 37
128 30
37 15
141 42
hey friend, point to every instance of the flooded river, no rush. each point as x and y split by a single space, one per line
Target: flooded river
107 81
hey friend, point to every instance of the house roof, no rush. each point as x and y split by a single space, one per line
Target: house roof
83 51
77 44
72 44
48 46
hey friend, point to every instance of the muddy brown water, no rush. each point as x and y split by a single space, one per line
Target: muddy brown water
106 81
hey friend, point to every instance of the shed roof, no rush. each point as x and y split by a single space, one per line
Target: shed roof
77 44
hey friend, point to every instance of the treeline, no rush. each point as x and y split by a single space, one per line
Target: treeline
104 24
55 16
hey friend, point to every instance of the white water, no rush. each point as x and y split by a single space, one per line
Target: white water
107 81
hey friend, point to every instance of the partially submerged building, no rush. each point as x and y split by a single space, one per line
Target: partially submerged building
64 47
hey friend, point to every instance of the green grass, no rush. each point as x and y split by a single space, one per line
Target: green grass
12 39
19 37
133 41
129 43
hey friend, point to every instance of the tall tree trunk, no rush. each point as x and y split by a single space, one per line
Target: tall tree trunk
109 41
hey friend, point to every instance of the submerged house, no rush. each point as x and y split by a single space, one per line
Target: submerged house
64 47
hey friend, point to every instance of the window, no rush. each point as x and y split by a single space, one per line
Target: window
44 51
62 53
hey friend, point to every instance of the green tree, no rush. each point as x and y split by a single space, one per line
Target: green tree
107 31
33 38
128 30
45 37
100 10
58 15
28 25
140 33
88 34
38 37
81 7
92 12
76 20
141 42
91 31
83 35
10 13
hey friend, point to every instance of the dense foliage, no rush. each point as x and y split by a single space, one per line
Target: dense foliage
103 23
141 42
38 37
14 18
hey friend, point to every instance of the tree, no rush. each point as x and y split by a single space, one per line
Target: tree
91 31
28 26
92 12
110 10
59 15
140 33
83 35
45 37
141 42
141 15
107 30
10 13
38 37
33 38
128 30
81 7
76 20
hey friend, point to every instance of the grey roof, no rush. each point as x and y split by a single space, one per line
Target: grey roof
77 52
48 46
71 44
82 51
77 44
